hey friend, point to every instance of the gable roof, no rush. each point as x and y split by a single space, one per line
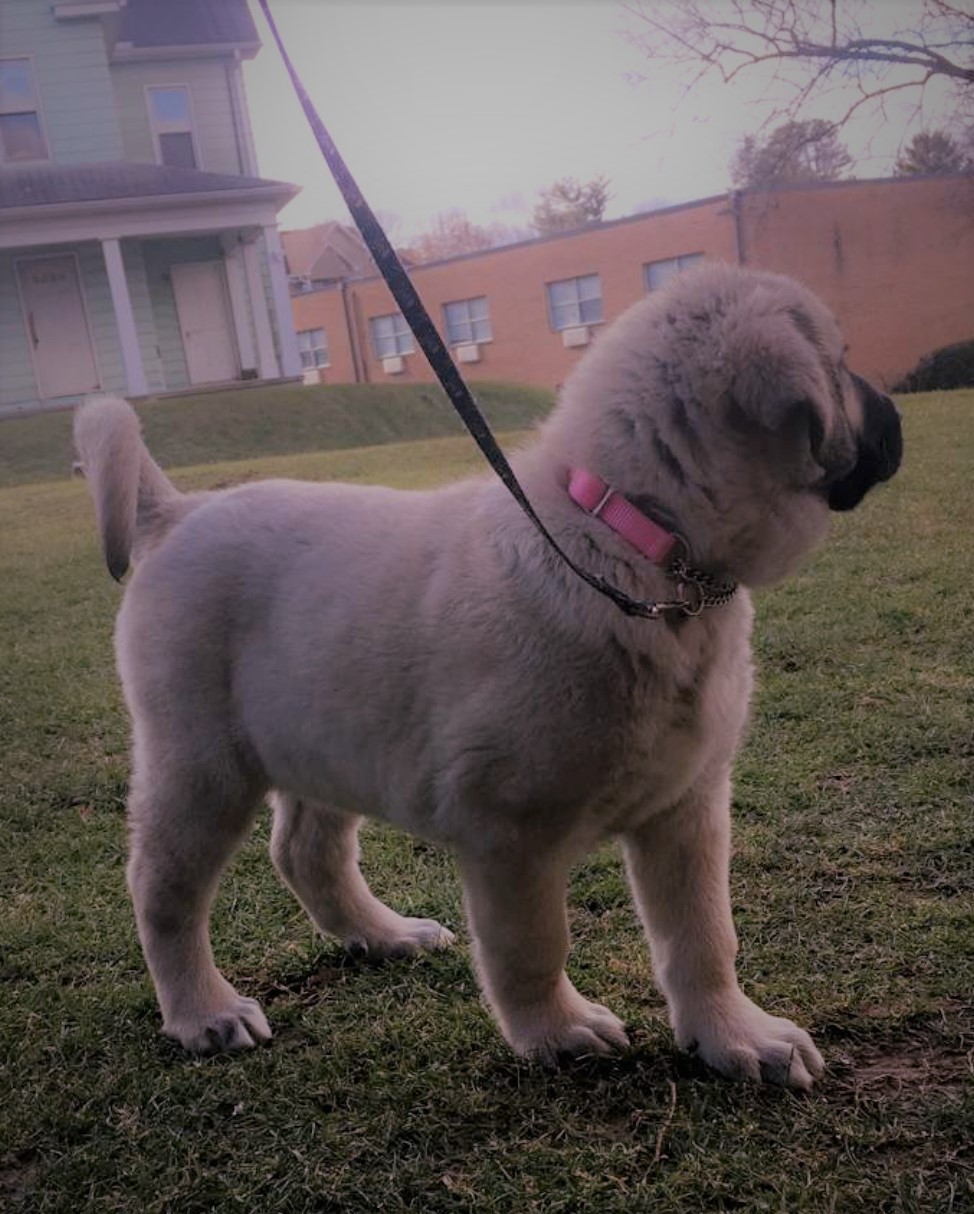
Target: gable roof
52 185
145 24
326 252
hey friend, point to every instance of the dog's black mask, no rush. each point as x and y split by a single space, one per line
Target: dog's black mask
880 449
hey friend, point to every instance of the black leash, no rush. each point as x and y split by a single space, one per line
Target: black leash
432 345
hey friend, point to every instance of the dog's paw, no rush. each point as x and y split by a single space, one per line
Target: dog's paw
741 1041
400 937
566 1027
238 1024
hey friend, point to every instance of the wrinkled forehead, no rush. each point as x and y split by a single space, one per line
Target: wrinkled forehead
817 325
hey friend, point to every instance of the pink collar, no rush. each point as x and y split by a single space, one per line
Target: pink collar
602 501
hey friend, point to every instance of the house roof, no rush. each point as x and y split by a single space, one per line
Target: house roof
154 23
52 185
327 251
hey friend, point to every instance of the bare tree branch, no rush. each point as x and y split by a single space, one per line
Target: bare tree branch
826 38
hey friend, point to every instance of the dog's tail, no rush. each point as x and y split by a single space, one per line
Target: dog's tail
135 502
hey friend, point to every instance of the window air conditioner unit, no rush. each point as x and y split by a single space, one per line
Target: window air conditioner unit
579 336
394 365
469 352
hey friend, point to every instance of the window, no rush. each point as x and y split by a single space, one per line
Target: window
659 273
390 335
21 133
467 320
575 301
313 348
172 126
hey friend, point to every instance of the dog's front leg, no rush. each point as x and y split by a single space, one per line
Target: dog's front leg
517 915
679 870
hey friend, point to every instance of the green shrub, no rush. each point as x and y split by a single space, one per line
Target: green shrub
949 367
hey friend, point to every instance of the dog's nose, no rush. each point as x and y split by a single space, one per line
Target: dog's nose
885 430
880 448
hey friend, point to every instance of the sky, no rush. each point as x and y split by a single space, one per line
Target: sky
477 105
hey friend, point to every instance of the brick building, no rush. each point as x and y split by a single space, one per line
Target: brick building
894 258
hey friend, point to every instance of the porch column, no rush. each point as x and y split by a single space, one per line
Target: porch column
128 335
267 367
237 289
287 338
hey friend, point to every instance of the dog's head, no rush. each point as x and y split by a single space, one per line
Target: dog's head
726 407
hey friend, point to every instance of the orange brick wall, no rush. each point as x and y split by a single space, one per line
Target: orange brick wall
326 310
895 259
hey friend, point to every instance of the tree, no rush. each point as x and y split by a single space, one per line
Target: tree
931 152
794 151
452 234
568 204
815 46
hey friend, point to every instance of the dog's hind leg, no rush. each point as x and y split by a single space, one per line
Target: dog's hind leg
186 820
315 851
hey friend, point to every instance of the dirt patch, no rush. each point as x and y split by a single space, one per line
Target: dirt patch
18 1169
930 1053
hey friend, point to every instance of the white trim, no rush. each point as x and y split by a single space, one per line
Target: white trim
139 202
128 334
155 132
125 52
25 226
38 110
267 365
84 308
281 296
70 12
245 134
236 278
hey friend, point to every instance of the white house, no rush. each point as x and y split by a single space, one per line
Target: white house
139 250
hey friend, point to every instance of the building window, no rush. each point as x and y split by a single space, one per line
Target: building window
467 320
575 301
313 348
390 335
21 133
171 120
659 273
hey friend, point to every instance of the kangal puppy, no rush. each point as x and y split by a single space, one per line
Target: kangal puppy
425 659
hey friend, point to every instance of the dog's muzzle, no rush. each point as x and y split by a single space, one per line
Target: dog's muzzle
880 449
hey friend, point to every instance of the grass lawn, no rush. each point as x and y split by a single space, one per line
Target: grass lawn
281 420
387 1088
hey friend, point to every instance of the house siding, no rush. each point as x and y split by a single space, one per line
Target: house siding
16 369
212 108
71 73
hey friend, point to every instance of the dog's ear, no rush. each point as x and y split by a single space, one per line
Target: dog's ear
784 383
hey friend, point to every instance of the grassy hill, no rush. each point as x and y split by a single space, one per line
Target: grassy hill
255 422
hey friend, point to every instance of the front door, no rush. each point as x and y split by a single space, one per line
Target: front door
204 321
57 327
